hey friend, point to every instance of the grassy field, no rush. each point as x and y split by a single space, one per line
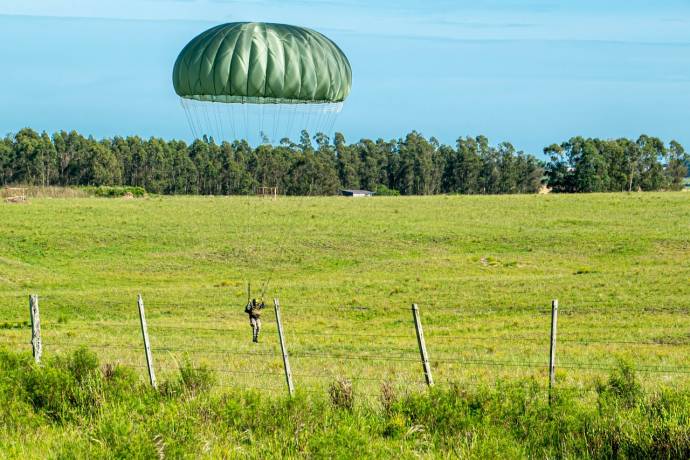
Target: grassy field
482 269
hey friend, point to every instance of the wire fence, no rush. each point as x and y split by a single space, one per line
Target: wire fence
329 351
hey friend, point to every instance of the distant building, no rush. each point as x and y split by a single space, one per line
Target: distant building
356 193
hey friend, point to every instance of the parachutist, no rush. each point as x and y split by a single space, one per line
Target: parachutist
253 309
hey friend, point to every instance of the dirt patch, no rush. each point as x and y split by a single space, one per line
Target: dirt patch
16 199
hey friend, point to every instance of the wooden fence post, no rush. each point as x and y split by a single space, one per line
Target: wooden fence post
36 343
147 344
552 352
422 345
286 361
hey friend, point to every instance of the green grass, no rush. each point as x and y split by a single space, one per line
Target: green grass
483 270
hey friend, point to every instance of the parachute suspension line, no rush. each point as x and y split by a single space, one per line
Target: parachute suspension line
334 116
258 112
202 125
307 109
231 116
219 120
324 113
213 127
246 121
261 130
219 129
209 129
188 110
291 119
317 115
188 116
294 122
298 112
236 116
200 131
330 120
327 121
299 118
305 116
212 120
281 131
276 112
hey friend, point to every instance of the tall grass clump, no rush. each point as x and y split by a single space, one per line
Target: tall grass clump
104 191
342 394
192 380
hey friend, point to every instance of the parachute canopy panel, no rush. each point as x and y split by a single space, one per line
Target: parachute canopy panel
262 63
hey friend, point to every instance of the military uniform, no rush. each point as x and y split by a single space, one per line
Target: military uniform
253 309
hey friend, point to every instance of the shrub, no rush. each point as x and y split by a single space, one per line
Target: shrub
382 190
105 191
191 380
622 386
341 393
48 390
82 364
196 379
388 396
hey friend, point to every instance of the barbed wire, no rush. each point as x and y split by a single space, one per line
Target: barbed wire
351 357
196 329
645 368
587 341
661 342
219 370
356 378
431 335
138 348
347 334
48 344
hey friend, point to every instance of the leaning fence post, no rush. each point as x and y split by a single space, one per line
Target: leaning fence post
552 353
147 344
283 349
422 345
36 343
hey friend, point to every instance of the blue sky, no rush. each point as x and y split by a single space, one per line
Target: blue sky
529 72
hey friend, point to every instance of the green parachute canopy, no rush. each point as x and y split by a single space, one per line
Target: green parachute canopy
261 63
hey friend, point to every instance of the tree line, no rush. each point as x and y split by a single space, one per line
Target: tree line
413 165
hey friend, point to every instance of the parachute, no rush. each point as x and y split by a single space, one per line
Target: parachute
261 82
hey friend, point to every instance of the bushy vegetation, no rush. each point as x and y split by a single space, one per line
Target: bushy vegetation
74 407
115 192
413 165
